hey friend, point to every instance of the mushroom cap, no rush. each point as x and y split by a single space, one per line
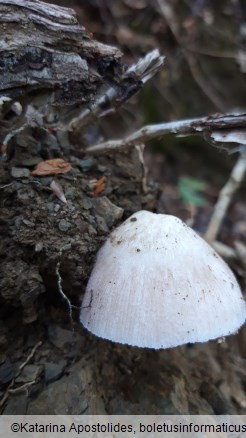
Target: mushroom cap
158 284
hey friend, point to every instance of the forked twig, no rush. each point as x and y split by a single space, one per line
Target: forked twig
9 388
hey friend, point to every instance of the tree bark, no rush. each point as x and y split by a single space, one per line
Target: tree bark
43 47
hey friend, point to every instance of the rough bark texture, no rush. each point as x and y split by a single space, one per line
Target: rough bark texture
44 48
47 61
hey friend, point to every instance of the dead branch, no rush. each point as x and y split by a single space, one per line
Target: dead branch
225 197
200 126
142 71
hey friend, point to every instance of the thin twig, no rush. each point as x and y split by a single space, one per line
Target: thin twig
168 13
9 390
199 126
29 357
213 53
240 249
11 134
6 185
140 150
225 251
144 70
225 196
59 282
23 387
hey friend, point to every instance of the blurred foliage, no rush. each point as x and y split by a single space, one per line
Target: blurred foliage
189 189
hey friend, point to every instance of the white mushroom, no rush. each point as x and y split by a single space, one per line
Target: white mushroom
157 284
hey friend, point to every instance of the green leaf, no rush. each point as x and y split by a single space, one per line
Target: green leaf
192 183
189 189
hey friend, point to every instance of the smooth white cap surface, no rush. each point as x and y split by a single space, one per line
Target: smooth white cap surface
157 284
